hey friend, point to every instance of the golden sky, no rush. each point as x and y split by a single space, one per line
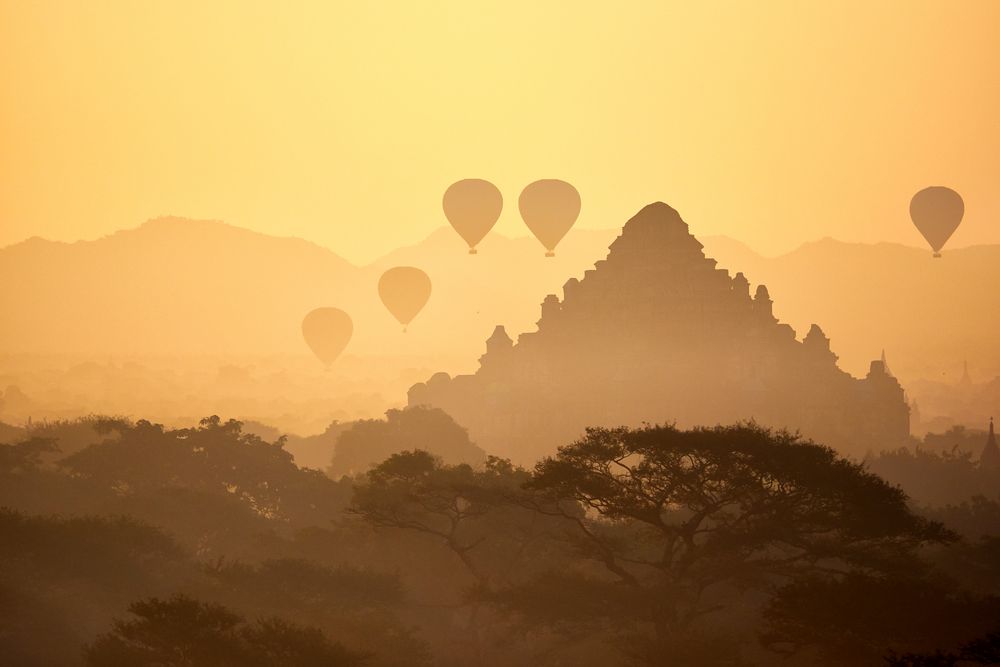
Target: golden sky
772 122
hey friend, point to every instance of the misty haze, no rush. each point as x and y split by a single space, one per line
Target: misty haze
544 334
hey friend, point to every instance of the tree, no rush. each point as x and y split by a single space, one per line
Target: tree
61 576
984 650
679 521
369 441
357 605
115 552
26 457
936 478
218 458
473 512
76 434
184 632
857 619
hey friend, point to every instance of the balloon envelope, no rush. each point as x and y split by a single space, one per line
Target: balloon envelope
404 290
549 208
472 206
327 332
936 212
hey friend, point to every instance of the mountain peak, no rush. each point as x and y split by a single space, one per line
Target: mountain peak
175 224
162 220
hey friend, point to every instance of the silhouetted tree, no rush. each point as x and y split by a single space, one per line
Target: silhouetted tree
8 432
218 458
25 457
469 510
858 618
958 438
936 478
971 565
354 604
72 435
59 577
982 651
184 632
680 519
369 441
109 550
30 482
476 514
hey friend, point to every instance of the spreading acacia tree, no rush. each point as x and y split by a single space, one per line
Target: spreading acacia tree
677 523
473 517
472 512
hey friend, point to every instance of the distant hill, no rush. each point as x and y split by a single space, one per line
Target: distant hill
187 287
171 286
192 287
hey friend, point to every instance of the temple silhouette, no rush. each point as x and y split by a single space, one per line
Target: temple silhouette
658 333
989 459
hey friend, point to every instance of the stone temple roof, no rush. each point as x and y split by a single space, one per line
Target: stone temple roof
656 227
658 332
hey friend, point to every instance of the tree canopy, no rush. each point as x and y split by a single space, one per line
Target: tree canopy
184 632
371 441
680 519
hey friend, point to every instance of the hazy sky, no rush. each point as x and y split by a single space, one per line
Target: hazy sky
344 122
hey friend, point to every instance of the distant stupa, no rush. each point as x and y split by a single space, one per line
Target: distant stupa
990 457
966 380
658 333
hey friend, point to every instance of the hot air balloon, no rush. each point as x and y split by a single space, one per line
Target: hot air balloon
549 208
327 332
472 207
404 290
936 212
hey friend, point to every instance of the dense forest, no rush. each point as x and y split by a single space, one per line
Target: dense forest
127 543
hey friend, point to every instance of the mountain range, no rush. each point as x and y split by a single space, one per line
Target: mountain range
180 287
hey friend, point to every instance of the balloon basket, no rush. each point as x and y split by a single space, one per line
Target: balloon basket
550 253
473 251
937 255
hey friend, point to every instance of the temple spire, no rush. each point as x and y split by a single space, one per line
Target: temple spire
885 365
990 458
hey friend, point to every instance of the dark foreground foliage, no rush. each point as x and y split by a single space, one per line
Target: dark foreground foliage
183 631
725 546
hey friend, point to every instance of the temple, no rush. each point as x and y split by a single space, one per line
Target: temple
989 459
657 333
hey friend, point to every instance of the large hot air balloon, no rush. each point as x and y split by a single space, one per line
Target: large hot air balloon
327 332
549 208
936 211
472 207
404 290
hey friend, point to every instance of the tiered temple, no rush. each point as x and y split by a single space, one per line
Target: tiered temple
657 333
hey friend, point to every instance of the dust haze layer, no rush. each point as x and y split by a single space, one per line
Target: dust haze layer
191 288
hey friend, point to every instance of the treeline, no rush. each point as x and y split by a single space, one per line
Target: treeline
128 543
